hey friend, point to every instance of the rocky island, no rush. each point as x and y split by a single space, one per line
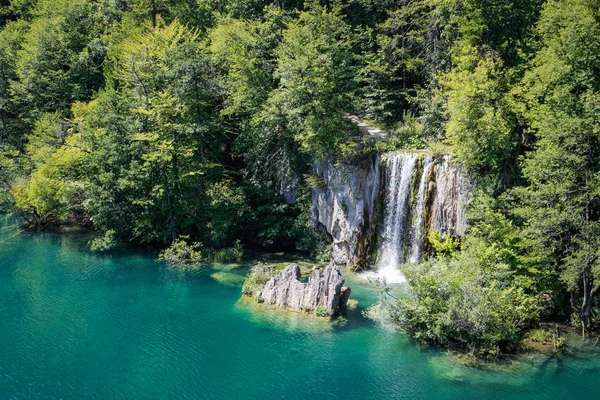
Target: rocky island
322 294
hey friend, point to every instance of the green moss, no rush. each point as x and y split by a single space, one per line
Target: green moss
320 311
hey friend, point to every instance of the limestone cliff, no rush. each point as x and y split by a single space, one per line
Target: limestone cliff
451 194
345 204
421 193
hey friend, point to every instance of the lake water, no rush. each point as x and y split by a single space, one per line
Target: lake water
79 325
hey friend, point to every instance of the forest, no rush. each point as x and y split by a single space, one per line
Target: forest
183 124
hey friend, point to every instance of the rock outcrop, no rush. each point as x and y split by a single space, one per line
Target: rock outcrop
420 193
323 290
451 195
345 205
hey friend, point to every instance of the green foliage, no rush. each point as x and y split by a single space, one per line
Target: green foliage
443 246
476 299
230 254
50 195
104 242
561 343
60 57
457 303
540 335
321 311
259 275
559 100
480 126
182 254
315 73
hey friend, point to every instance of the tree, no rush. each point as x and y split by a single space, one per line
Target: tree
561 96
405 55
480 125
315 69
11 128
60 59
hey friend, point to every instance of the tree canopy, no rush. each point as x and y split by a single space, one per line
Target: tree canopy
196 124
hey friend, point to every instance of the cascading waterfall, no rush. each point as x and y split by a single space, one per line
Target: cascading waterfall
400 169
421 193
407 198
418 223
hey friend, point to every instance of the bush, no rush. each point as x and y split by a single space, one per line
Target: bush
475 298
182 254
104 242
451 304
259 275
540 335
230 254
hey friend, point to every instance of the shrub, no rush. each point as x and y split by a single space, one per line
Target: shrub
321 311
540 335
451 303
230 254
259 275
104 242
182 254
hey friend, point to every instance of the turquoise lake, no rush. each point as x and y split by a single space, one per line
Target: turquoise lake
80 325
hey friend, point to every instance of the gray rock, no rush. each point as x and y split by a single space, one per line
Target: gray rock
288 188
451 195
345 204
345 295
322 289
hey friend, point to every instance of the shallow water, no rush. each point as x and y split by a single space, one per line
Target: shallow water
78 325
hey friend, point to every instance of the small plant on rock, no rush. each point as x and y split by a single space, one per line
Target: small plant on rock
321 311
259 275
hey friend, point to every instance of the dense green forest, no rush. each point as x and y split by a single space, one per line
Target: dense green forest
183 123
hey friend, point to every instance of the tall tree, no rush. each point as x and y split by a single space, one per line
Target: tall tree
561 97
315 69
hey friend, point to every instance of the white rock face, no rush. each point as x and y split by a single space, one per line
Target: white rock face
451 196
422 193
324 288
345 205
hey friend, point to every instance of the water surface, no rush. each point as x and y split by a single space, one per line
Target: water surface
78 325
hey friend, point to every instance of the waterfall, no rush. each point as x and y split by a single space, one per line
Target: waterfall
407 197
400 169
420 193
418 223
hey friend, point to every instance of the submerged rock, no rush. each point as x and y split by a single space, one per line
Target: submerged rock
345 205
322 292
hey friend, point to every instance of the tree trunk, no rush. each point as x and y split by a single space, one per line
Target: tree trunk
170 205
153 12
4 129
586 306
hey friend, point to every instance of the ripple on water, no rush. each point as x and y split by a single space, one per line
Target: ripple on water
77 325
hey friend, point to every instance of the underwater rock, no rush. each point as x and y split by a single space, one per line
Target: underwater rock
323 290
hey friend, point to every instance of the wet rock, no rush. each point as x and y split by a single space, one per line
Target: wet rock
323 290
345 295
